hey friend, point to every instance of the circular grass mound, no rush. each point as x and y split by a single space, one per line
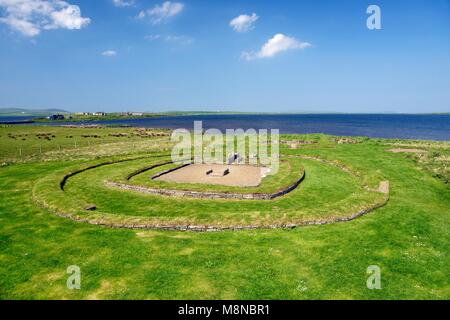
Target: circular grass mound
288 177
330 193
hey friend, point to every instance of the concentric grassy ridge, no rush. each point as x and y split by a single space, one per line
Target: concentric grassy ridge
137 222
288 175
201 194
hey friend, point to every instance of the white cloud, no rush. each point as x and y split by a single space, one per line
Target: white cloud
182 40
160 13
67 18
30 17
109 53
243 23
141 15
153 37
123 3
277 44
25 27
179 40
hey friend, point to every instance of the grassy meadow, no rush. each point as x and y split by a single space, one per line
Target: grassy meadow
408 237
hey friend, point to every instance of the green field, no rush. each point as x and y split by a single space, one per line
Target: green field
408 237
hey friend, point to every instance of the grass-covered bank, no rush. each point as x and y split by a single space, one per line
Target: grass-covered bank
329 194
409 238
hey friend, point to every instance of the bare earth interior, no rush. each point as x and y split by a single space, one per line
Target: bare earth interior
238 175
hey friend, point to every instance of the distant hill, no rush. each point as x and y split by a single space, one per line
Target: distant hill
29 112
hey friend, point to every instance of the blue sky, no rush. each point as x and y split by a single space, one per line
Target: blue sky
142 55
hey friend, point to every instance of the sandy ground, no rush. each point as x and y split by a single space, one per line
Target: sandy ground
240 175
397 150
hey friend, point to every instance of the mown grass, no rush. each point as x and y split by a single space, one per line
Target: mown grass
409 239
329 193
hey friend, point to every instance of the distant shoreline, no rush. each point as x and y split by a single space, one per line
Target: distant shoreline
395 126
41 114
16 122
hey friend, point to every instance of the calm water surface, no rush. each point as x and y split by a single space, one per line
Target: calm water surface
429 127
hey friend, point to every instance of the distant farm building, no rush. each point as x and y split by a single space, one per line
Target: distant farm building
99 114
